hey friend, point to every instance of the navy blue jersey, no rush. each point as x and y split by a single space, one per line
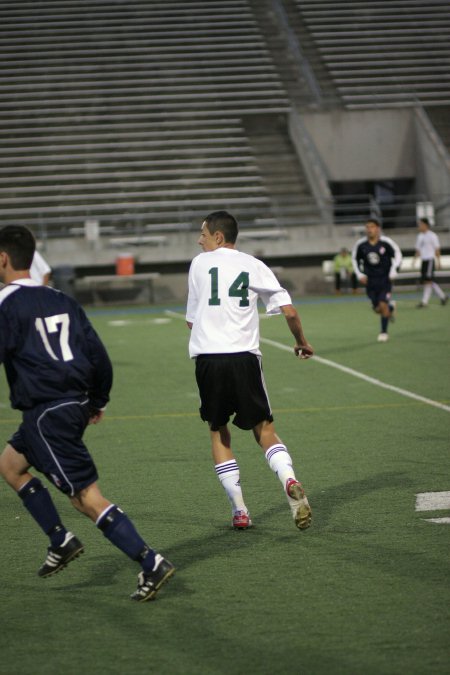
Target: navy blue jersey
379 261
49 348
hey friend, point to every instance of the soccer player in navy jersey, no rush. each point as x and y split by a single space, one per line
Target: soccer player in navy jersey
222 313
376 259
60 376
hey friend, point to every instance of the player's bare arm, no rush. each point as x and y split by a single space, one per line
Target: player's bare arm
302 349
438 258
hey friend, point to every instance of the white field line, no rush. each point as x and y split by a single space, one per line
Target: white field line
176 315
432 501
345 369
366 378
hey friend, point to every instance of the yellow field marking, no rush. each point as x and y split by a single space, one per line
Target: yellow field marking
277 411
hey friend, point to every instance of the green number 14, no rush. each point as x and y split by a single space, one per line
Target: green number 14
238 289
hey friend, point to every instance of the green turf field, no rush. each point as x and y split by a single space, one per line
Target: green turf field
365 591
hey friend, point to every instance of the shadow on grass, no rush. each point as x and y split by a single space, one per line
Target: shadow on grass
346 542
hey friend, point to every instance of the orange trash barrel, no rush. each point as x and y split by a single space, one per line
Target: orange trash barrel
125 264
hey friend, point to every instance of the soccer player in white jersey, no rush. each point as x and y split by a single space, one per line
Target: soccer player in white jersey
222 313
40 269
428 248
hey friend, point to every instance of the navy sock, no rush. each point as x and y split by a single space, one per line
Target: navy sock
38 502
118 528
384 324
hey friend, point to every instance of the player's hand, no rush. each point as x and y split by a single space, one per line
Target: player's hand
96 416
304 351
363 280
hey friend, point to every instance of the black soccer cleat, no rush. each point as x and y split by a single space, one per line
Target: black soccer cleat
149 583
444 301
58 558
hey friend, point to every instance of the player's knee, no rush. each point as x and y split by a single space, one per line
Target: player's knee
76 503
2 467
90 502
7 469
223 433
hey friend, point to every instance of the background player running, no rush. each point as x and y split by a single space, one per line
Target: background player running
60 376
224 287
428 248
376 259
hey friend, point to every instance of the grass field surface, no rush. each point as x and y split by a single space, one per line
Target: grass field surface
364 591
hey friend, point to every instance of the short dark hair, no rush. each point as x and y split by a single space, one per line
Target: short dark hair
373 220
18 242
222 221
425 221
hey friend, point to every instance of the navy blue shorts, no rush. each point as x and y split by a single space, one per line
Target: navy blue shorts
232 383
379 292
50 437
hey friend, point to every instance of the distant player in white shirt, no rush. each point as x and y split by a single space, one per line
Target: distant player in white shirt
428 249
222 312
40 270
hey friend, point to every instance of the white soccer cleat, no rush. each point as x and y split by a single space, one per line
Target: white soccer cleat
383 337
298 501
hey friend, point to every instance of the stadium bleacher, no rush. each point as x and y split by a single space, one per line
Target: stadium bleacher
131 113
383 53
145 115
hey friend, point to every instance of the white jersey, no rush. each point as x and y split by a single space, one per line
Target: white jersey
427 243
39 268
224 287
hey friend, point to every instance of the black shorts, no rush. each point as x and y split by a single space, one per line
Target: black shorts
50 438
427 270
232 383
379 292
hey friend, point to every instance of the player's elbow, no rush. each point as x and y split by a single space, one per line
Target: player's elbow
289 311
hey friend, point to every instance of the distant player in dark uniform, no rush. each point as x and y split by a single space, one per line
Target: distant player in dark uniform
376 259
60 376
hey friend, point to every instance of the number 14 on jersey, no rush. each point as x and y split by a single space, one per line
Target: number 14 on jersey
238 289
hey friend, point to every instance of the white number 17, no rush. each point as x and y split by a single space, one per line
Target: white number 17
50 325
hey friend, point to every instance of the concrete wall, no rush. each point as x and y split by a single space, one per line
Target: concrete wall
433 172
323 240
364 144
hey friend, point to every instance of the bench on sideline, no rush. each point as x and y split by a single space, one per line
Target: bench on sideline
112 287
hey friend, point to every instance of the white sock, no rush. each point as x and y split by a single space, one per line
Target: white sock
427 293
229 475
280 462
438 290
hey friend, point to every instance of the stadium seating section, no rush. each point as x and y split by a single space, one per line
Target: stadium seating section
143 114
